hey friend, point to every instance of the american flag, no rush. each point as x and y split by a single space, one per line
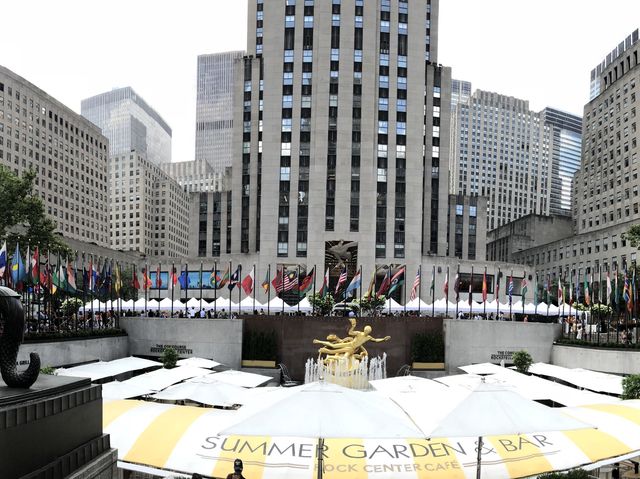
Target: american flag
416 285
342 279
286 283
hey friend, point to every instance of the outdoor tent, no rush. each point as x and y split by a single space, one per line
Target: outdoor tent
276 304
249 304
417 304
304 305
392 305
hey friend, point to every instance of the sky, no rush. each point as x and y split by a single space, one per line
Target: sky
538 50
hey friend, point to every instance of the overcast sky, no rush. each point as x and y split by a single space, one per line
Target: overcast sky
537 50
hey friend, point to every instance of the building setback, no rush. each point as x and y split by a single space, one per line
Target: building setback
130 124
68 153
522 161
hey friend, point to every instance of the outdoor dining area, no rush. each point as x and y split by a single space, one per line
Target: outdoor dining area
489 422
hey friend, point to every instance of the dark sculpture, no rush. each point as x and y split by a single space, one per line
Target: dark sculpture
11 335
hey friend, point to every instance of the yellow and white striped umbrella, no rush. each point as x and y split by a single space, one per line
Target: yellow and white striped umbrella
184 439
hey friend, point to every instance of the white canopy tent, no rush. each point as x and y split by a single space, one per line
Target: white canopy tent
417 304
249 304
276 304
392 305
304 305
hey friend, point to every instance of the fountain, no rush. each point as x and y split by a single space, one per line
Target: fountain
346 362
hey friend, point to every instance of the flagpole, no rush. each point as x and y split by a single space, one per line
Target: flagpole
239 286
536 299
253 286
522 295
388 289
456 287
84 289
484 294
511 296
361 276
282 286
215 288
404 290
186 291
298 286
471 294
497 293
230 274
159 284
269 289
446 299
433 290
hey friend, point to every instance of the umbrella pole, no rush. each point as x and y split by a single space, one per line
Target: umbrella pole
478 472
320 457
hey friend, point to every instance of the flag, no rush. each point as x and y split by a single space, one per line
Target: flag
416 284
35 267
265 283
341 279
277 281
615 294
225 277
354 285
570 289
498 276
445 286
560 291
324 289
146 281
307 282
385 283
93 276
372 284
58 279
48 279
456 285
135 283
214 279
484 286
247 282
535 292
627 294
432 286
158 277
397 280
117 284
235 278
510 289
3 259
173 278
71 278
470 298
524 287
290 280
18 272
608 288
587 296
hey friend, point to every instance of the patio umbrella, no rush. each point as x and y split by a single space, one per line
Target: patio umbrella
323 410
490 410
211 393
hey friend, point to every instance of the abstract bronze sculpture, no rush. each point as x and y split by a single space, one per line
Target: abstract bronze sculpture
11 335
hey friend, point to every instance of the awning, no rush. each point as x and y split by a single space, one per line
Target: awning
184 439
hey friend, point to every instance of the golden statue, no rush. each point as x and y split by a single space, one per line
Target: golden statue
351 347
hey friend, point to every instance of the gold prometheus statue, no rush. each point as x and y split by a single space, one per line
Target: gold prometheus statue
351 347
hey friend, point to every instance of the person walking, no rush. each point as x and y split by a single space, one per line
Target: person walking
237 470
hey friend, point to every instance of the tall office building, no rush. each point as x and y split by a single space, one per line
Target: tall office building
149 210
522 161
196 176
214 109
460 93
130 124
565 132
342 135
68 153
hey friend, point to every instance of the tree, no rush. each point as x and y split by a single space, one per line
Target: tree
632 235
322 305
127 291
169 357
522 360
23 216
631 387
371 305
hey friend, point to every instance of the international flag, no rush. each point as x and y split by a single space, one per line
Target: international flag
324 289
91 274
341 279
117 284
146 281
510 288
416 285
18 272
498 276
372 284
214 278
484 286
524 287
535 292
173 278
470 298
385 283
560 291
615 294
432 286
354 285
71 277
307 282
58 281
587 295
397 280
456 285
3 259
627 294
247 282
234 279
158 278
266 283
290 280
445 286
47 280
183 279
225 277
570 289
35 267
135 283
278 281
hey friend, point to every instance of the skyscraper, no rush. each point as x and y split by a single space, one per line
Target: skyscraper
67 152
342 134
523 161
130 124
214 109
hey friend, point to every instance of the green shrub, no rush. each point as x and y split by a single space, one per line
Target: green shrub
322 305
631 387
428 347
522 360
371 305
48 370
169 357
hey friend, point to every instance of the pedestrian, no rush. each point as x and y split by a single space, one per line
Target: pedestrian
615 473
237 470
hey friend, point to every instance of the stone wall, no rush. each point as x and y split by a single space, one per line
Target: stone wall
615 361
217 339
69 352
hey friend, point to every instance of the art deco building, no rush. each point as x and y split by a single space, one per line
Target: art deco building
214 109
130 124
68 153
522 161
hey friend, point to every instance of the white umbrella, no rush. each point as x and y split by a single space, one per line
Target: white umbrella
490 410
403 384
239 378
198 363
213 393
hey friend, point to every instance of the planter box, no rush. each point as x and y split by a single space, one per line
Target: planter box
258 363
427 366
